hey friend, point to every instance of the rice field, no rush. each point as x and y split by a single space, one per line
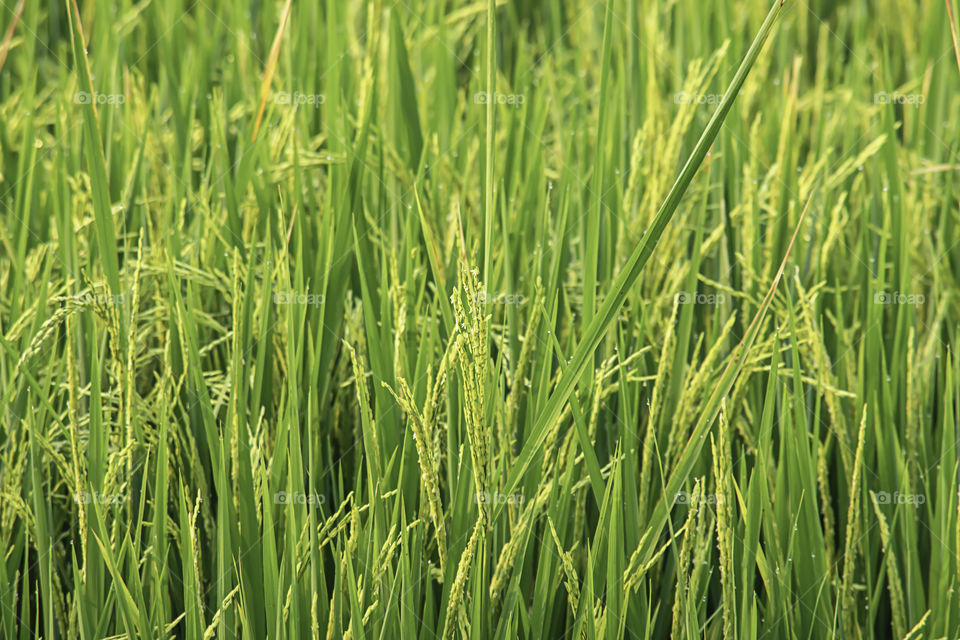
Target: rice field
479 319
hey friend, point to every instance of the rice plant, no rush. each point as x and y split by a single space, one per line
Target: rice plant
479 319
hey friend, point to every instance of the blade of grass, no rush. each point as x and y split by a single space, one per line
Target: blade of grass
270 68
953 32
8 36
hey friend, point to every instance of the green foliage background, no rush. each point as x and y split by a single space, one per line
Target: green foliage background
453 318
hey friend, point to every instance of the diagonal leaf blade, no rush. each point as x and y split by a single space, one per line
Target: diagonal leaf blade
594 332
